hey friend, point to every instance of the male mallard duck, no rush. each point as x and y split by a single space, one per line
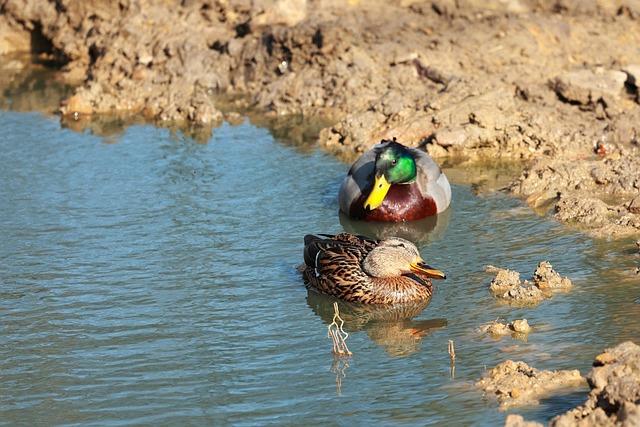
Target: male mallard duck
358 269
394 183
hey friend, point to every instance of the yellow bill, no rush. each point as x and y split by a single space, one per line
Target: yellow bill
422 268
377 195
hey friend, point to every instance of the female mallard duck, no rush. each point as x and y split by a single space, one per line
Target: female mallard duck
394 183
358 269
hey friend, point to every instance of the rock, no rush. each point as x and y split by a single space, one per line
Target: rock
600 219
287 12
495 328
586 87
505 279
633 74
584 210
14 65
634 205
514 420
545 277
145 58
516 383
508 287
13 38
448 138
521 326
517 328
77 104
614 398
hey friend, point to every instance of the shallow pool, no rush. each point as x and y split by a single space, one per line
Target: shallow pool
148 278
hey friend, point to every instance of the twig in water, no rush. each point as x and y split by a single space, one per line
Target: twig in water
452 358
337 334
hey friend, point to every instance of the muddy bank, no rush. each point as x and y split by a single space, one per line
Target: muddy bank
614 399
553 82
516 383
508 287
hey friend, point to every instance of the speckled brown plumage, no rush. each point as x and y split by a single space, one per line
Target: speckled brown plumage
333 266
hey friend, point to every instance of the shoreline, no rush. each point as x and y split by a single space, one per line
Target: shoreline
551 85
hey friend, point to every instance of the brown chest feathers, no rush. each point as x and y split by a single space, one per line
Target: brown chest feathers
403 202
358 287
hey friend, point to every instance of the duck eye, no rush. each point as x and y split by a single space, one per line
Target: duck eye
394 162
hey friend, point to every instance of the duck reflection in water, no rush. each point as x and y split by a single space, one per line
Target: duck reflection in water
390 326
425 230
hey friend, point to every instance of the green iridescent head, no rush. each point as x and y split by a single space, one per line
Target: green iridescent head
394 165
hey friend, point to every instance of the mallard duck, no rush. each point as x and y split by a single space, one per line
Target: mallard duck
357 269
394 183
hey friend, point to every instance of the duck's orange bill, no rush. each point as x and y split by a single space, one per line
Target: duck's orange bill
422 268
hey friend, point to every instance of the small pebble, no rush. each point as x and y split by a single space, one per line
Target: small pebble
521 326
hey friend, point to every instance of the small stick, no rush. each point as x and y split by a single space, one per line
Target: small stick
337 334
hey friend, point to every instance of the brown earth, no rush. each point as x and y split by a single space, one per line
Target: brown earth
517 329
516 383
508 287
614 399
550 82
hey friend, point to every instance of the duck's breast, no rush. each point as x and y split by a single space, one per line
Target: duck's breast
403 202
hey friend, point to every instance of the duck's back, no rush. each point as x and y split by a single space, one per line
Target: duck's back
333 266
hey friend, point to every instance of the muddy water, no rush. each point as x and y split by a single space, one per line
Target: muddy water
151 279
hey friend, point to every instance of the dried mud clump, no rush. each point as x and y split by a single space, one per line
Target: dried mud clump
508 287
518 328
578 188
614 399
588 88
515 420
516 383
545 277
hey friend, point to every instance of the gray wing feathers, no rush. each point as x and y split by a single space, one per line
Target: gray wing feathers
356 180
432 181
441 192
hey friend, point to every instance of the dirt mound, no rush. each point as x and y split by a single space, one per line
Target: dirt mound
508 287
516 383
518 79
615 391
614 399
518 328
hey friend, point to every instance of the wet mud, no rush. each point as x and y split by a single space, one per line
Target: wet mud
614 399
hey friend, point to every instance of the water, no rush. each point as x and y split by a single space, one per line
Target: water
150 279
